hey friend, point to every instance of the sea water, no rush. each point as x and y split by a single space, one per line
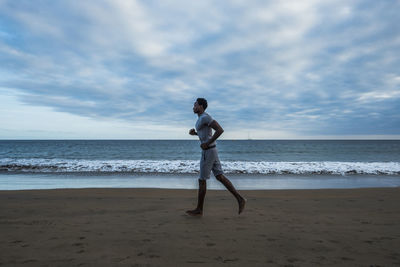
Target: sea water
252 164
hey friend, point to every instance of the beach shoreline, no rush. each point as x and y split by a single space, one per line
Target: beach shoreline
27 181
149 227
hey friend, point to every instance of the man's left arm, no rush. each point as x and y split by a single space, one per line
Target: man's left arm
218 131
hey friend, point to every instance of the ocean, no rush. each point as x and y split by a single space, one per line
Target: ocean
252 164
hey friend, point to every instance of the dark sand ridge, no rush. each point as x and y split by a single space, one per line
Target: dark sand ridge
148 227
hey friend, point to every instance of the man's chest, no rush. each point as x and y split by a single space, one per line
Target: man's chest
199 124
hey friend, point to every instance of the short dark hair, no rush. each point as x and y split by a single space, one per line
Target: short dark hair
202 102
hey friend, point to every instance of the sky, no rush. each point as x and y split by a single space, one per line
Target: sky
119 69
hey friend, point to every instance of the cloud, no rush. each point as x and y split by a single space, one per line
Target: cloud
281 68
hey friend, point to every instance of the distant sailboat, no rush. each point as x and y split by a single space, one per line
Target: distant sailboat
248 136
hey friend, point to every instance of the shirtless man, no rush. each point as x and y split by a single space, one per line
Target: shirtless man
209 156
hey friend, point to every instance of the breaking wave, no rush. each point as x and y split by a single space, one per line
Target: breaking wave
192 166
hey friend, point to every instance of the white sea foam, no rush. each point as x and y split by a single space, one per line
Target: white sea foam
192 166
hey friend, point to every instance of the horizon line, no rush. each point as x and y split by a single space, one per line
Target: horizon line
237 139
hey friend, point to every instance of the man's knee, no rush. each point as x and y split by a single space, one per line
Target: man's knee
202 182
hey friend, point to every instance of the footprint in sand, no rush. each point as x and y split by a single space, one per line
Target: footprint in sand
219 258
155 256
292 260
346 259
29 261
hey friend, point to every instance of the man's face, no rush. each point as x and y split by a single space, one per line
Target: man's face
196 107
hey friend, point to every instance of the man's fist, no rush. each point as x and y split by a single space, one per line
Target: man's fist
192 132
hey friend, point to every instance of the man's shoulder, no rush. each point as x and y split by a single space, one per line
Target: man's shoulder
205 116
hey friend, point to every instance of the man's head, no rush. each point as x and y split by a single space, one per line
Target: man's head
200 105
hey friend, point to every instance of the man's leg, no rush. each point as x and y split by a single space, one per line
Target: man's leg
225 181
200 198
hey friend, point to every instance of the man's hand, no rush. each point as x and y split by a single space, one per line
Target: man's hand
192 132
204 146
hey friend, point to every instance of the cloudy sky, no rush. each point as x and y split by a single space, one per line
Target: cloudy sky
122 69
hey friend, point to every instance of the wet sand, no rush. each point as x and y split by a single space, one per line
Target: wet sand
148 227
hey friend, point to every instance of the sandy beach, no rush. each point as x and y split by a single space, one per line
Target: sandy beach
148 227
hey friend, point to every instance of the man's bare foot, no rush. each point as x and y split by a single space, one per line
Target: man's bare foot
242 203
195 212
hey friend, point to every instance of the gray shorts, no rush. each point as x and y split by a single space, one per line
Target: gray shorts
209 162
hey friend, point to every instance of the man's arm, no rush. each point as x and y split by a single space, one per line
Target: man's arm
218 131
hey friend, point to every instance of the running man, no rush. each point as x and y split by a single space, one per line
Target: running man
209 156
